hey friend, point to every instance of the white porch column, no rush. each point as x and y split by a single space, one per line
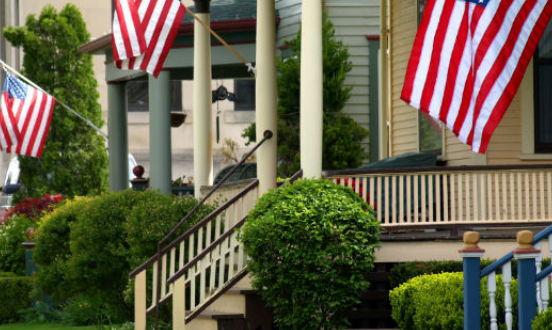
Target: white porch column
266 95
202 120
311 89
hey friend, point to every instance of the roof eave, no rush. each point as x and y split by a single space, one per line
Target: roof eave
103 43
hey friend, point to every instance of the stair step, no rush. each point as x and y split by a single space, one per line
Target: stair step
369 314
371 295
241 290
215 315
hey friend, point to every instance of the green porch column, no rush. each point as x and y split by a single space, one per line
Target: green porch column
203 117
118 136
311 89
266 95
160 132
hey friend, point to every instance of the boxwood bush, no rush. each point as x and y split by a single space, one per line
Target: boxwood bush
436 302
14 295
88 246
12 252
402 272
310 245
543 321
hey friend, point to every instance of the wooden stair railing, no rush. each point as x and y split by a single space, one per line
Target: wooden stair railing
189 248
534 283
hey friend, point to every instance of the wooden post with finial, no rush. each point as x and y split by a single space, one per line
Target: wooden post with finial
471 255
525 255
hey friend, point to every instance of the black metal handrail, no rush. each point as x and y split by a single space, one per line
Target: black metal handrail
267 135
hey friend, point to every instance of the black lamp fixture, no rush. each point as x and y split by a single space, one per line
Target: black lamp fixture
221 93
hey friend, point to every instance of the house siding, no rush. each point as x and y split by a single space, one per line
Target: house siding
403 119
290 20
353 21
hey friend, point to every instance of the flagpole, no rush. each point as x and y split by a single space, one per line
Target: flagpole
250 67
12 70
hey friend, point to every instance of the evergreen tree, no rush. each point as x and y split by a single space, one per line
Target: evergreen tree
74 161
342 136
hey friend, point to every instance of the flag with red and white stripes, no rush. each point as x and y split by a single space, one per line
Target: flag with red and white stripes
160 21
468 60
9 133
127 38
32 110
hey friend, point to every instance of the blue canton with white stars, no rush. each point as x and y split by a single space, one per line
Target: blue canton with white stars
15 87
479 2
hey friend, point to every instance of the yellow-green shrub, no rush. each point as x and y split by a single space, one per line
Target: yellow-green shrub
435 302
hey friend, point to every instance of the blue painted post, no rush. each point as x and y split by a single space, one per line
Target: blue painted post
527 288
471 256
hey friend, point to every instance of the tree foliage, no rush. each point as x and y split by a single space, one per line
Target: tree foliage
342 136
74 161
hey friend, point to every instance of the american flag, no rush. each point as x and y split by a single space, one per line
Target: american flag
9 133
160 21
468 60
127 38
32 110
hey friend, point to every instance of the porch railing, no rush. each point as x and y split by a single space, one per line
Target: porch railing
185 257
453 195
534 283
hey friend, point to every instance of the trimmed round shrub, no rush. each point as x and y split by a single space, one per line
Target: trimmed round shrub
14 295
436 302
12 252
543 321
310 245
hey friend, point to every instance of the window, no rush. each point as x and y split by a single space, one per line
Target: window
543 93
138 96
244 89
430 131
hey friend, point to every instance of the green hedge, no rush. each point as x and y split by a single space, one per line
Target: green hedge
543 321
12 252
435 302
87 247
14 295
402 272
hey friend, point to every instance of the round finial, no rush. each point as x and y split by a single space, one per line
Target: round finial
30 232
471 239
525 240
138 170
268 134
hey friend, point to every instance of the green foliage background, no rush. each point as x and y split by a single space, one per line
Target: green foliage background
342 135
310 245
15 291
74 161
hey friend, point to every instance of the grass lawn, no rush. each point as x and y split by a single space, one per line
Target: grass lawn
44 326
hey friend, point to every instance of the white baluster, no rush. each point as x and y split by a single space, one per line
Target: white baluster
545 293
507 281
538 266
491 288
